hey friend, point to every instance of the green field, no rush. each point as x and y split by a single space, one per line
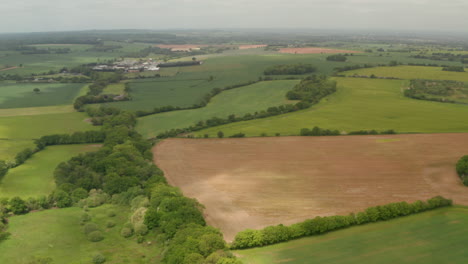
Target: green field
19 95
360 104
412 72
437 236
18 132
35 176
114 88
149 93
58 234
237 101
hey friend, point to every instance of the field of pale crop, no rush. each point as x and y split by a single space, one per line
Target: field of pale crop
57 234
19 95
432 237
36 176
360 104
239 101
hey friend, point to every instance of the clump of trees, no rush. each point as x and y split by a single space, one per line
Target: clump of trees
462 169
454 68
319 225
337 57
312 89
290 69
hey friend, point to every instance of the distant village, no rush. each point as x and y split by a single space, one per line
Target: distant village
130 65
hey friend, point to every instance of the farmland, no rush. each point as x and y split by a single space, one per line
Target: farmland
255 182
313 51
239 101
57 234
360 104
21 95
159 193
412 72
18 132
431 237
35 177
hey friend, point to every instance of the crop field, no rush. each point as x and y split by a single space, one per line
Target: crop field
412 72
239 101
360 104
58 234
18 132
432 237
256 182
19 95
35 177
114 88
150 93
314 51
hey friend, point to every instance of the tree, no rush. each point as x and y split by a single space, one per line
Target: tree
220 134
36 90
194 59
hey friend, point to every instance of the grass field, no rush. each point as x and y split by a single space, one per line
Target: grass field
114 88
58 234
149 93
237 101
35 176
19 95
360 104
18 132
256 182
437 236
412 72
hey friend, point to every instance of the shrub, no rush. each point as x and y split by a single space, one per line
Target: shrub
110 224
95 236
126 232
99 259
90 227
141 229
85 217
18 206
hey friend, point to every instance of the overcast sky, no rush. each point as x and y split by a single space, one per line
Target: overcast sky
60 15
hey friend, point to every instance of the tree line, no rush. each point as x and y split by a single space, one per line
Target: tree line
290 69
319 225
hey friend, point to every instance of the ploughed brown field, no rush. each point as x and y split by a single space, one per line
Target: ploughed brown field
256 182
314 51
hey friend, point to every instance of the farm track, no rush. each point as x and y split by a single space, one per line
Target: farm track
256 182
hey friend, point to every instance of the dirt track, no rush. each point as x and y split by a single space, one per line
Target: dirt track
255 182
314 51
